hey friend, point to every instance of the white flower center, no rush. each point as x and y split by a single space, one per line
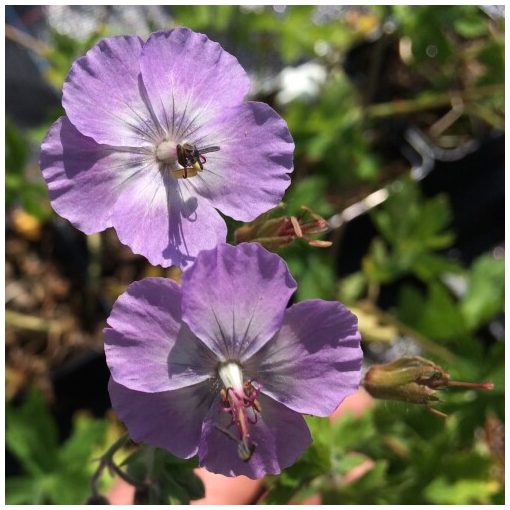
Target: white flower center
166 152
231 375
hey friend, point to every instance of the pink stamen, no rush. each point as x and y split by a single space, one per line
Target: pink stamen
243 408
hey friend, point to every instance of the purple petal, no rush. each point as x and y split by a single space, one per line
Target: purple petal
147 347
234 298
171 420
102 95
280 435
189 78
143 328
250 173
190 360
314 362
83 176
159 218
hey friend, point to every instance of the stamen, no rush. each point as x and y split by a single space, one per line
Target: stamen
240 401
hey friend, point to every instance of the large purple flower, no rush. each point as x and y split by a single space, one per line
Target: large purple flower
156 137
220 366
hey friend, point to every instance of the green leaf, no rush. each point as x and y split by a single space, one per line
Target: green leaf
440 317
463 492
413 21
472 27
172 480
350 431
313 463
316 277
429 266
309 192
58 474
17 149
379 265
412 224
486 291
492 57
24 490
410 305
31 434
87 435
365 490
352 287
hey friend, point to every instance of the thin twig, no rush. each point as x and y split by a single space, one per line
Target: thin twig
427 102
27 41
31 322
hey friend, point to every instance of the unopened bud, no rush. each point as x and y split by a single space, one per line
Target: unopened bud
412 379
277 233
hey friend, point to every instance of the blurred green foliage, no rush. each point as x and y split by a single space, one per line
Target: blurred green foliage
403 454
172 480
22 189
53 473
394 454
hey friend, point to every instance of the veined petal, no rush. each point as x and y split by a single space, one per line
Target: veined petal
234 298
171 420
83 176
142 330
189 79
280 436
103 95
250 173
190 360
314 361
158 217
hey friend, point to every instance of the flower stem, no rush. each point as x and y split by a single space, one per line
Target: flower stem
106 461
402 107
478 386
27 41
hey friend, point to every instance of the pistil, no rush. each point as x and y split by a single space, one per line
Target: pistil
239 399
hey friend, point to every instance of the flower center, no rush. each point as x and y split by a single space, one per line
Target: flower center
166 152
175 160
239 399
182 160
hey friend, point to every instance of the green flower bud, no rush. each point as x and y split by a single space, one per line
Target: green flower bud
412 379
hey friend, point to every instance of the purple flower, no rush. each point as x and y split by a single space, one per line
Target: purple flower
220 366
156 137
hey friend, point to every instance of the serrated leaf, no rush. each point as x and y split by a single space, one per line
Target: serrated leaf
428 266
440 316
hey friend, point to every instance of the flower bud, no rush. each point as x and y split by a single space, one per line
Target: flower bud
276 233
412 379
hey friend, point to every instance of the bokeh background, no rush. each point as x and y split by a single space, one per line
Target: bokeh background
398 118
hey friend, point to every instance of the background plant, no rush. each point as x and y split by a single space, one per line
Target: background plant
397 92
